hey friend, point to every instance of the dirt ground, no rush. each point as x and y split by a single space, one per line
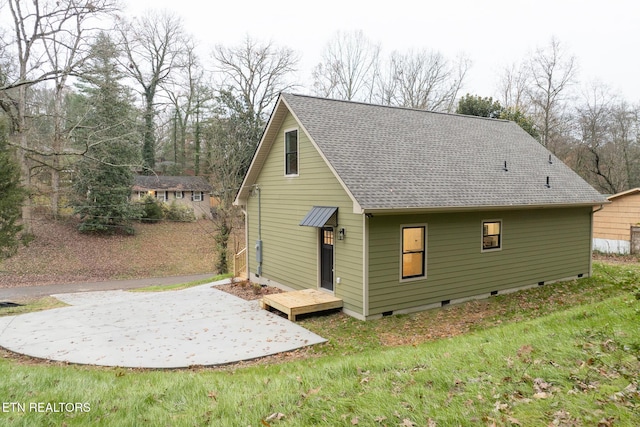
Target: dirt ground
60 254
247 290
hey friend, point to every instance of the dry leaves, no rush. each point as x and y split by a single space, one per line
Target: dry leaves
60 254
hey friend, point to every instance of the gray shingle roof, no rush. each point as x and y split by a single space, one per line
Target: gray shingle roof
171 183
393 158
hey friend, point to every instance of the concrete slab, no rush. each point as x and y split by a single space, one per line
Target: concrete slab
172 329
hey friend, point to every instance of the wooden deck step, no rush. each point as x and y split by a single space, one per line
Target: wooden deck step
300 302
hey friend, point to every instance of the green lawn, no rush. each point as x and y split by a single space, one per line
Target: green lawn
539 360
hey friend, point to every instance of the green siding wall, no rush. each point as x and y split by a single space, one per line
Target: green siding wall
290 251
537 246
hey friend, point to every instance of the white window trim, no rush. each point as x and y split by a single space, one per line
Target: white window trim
482 249
200 195
284 142
424 276
164 195
178 194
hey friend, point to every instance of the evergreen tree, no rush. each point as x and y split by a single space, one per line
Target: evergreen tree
473 105
11 197
524 121
107 132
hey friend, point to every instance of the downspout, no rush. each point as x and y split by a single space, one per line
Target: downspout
259 242
591 242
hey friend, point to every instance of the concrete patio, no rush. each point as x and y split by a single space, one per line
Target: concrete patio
171 329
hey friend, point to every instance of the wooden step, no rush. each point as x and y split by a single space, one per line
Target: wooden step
301 302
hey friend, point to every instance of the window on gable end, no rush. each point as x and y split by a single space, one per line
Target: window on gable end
291 152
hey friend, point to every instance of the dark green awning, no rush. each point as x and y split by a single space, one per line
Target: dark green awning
320 216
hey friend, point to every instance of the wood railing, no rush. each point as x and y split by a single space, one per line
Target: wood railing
240 264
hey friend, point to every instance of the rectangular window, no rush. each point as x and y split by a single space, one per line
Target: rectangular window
413 251
178 194
491 235
161 195
196 196
291 153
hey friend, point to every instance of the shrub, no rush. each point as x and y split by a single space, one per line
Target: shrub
178 212
151 209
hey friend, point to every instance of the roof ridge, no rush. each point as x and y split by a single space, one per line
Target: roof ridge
395 107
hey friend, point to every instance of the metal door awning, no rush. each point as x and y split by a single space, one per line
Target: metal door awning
320 216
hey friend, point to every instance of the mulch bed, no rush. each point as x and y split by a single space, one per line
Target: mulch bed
247 290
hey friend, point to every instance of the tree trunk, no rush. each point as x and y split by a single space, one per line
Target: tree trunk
148 149
23 159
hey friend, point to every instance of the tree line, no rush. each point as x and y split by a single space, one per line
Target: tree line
92 97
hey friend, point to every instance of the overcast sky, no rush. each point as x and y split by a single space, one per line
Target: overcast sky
603 36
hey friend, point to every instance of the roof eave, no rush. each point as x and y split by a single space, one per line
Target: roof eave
439 209
260 155
624 193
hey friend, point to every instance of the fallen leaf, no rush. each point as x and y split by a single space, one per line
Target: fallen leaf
275 416
513 420
311 392
354 421
407 423
606 422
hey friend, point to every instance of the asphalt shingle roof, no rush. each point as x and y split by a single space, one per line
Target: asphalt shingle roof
394 158
171 183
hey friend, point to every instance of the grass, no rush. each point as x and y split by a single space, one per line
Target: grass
28 305
177 287
567 361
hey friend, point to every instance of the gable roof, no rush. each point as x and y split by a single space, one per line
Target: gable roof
171 183
390 158
624 193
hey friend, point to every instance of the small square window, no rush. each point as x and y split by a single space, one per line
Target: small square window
291 152
161 195
196 196
491 235
178 194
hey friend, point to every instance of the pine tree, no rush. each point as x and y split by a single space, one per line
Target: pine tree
11 197
107 132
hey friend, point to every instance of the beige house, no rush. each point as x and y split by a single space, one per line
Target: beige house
193 191
612 224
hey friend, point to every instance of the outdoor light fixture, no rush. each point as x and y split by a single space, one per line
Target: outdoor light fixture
341 234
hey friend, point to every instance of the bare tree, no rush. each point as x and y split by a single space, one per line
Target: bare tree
349 68
609 154
513 88
183 94
552 74
154 46
255 73
424 80
49 43
251 76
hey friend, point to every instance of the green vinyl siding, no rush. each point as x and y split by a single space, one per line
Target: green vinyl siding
290 251
538 245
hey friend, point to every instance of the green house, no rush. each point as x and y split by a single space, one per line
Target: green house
397 210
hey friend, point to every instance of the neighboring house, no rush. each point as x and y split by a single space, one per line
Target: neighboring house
192 191
397 210
612 224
